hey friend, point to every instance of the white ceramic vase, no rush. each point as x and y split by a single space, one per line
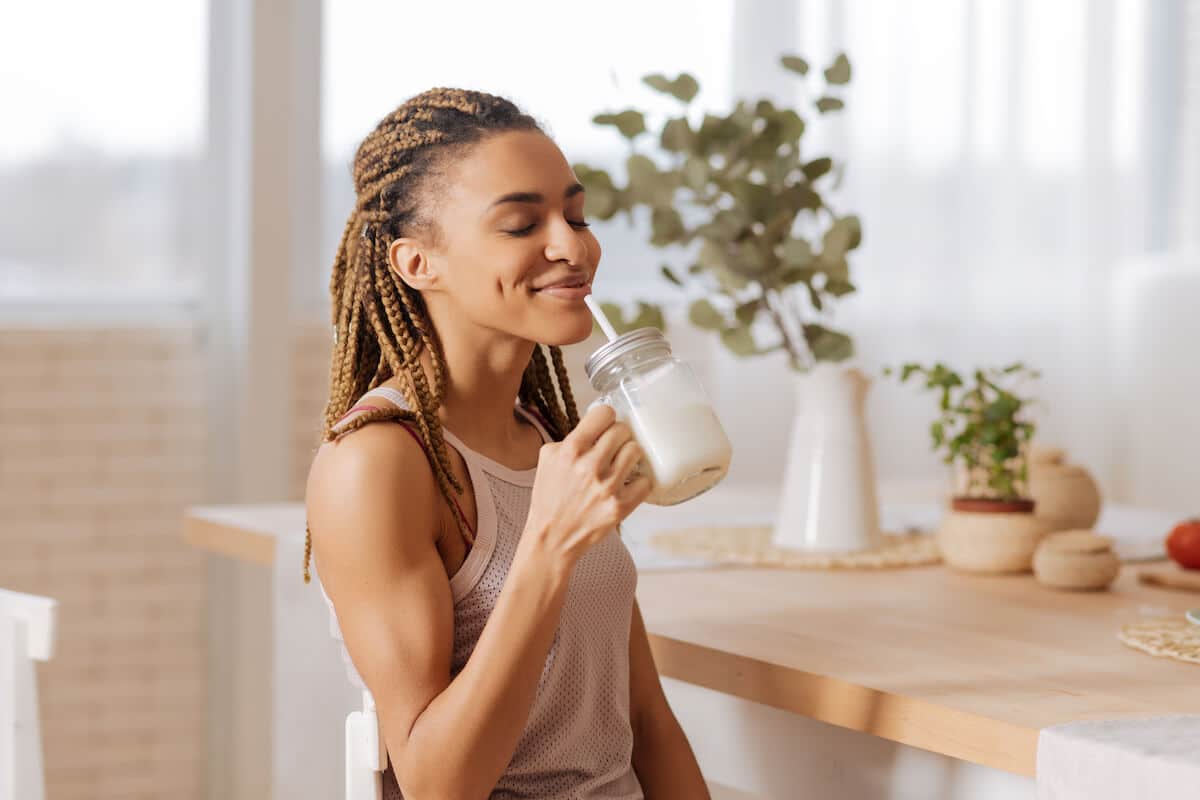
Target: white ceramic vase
828 499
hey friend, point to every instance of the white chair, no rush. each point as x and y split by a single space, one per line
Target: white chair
26 635
366 753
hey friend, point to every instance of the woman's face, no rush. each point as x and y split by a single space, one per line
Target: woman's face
514 254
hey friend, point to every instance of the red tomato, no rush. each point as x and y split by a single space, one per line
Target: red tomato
1183 545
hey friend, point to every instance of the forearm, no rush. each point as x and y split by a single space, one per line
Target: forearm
461 744
664 762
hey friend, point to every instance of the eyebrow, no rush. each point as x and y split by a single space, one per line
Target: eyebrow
535 197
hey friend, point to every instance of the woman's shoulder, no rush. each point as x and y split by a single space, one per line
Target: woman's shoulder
365 482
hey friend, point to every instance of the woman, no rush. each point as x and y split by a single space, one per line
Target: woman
470 552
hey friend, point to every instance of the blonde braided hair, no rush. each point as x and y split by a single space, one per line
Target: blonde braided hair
381 325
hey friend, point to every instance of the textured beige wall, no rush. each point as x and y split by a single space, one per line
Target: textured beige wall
101 446
312 345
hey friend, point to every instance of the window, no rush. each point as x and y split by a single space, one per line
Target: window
101 169
559 64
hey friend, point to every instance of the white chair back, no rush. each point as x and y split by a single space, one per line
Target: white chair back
26 635
366 753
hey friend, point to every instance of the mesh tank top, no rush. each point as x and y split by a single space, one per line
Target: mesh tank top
578 741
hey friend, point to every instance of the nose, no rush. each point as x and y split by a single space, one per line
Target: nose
566 244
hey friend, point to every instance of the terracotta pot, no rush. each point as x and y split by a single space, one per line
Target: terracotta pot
1067 496
994 537
1079 560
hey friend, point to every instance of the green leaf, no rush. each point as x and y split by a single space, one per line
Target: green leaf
684 88
801 196
834 268
667 226
715 132
838 72
750 259
795 64
815 297
739 341
593 178
712 255
703 315
695 173
670 275
827 344
629 123
746 312
794 275
791 125
646 183
647 316
658 82
796 253
677 136
840 288
843 235
729 280
755 199
817 167
602 199
827 104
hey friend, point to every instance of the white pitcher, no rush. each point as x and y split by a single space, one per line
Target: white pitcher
828 495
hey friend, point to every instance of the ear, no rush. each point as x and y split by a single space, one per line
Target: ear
408 259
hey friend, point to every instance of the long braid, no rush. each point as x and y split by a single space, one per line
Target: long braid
546 391
564 386
381 326
406 354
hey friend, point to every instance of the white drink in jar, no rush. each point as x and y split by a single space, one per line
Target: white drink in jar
658 395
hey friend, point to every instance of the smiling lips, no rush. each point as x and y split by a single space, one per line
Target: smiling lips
574 287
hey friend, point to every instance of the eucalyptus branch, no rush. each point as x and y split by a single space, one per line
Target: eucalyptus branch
779 231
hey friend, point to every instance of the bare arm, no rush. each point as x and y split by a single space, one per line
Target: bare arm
662 757
373 513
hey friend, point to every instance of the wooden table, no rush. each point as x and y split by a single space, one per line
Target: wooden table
969 667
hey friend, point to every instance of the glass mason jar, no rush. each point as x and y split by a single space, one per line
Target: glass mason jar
659 397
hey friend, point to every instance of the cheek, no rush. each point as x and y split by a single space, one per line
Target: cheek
594 249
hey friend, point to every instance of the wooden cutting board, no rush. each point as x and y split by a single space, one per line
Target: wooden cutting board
1171 576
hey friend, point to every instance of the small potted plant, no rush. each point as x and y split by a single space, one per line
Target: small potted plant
983 432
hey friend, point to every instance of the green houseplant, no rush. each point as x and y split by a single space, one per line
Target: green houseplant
982 430
767 253
981 427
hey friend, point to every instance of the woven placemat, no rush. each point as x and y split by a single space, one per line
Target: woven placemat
753 547
1165 638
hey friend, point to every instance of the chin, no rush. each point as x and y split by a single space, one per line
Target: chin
566 329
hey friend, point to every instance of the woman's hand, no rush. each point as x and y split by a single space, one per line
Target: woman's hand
584 488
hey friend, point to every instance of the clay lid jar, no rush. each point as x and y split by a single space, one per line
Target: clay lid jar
1079 560
1066 495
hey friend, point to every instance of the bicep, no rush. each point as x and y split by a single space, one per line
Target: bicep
373 539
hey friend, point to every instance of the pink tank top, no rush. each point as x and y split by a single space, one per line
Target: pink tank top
578 741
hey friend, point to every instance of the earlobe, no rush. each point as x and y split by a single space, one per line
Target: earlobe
409 262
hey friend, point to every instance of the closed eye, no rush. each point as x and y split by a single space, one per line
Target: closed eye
528 229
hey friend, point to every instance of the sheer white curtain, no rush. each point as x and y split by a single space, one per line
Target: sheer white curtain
1010 159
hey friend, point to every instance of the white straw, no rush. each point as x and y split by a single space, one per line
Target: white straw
598 313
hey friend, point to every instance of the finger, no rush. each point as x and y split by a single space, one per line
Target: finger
612 440
634 493
593 424
626 459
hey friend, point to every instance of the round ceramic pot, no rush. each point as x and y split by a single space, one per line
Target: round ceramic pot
1067 496
990 536
1078 560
